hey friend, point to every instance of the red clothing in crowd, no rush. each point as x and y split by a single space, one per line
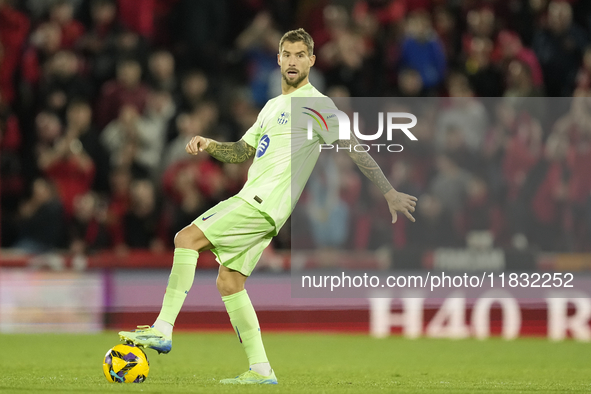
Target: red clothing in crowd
114 96
118 206
14 27
518 160
545 204
208 176
579 186
138 19
71 180
71 32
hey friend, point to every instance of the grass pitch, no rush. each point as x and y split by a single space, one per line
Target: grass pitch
304 363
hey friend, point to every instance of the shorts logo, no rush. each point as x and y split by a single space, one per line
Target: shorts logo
204 219
263 145
283 118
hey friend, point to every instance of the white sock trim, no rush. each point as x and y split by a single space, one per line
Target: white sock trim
164 327
261 368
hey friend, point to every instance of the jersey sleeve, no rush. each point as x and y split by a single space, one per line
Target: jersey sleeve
254 133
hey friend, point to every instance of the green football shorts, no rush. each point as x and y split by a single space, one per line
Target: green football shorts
239 233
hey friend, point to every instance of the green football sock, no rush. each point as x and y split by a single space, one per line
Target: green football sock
245 323
179 283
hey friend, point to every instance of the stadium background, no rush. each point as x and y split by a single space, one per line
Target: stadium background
98 98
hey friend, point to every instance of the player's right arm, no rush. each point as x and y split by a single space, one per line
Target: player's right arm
227 152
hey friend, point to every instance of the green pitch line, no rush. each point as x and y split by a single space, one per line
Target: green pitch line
304 364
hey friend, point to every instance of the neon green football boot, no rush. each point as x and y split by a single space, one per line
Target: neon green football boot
251 377
147 337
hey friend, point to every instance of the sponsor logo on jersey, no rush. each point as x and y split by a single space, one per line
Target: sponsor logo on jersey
204 219
263 145
283 118
316 119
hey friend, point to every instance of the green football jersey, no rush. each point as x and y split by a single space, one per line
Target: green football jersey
286 153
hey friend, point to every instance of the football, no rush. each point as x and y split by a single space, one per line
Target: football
126 363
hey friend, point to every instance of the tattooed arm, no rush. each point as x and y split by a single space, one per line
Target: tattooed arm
397 202
227 152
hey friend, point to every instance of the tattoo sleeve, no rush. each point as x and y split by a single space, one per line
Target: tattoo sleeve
230 152
367 165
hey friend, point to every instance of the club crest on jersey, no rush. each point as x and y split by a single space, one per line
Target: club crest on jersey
283 118
263 145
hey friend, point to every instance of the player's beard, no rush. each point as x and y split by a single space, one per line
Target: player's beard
296 81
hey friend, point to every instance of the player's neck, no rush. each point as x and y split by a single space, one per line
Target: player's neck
287 89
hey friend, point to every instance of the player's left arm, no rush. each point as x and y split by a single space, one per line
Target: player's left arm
397 202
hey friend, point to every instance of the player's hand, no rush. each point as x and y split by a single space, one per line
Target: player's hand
197 144
400 202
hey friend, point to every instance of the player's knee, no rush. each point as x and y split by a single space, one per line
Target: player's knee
186 239
228 287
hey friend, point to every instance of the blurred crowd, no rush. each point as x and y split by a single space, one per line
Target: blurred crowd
99 97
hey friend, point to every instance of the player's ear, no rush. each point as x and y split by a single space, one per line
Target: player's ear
312 60
279 59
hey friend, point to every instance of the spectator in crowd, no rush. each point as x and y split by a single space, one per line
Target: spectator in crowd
584 74
79 122
258 43
209 177
62 82
559 48
194 87
44 42
484 76
401 179
511 48
342 55
14 27
410 83
524 149
188 126
40 223
142 223
242 113
62 13
137 141
62 159
422 51
126 90
542 196
519 81
99 43
446 27
198 122
328 214
450 184
575 125
433 229
161 72
199 28
88 230
138 19
382 13
479 213
11 172
481 23
454 145
187 201
464 113
118 204
529 17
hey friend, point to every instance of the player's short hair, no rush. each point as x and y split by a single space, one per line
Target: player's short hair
297 36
